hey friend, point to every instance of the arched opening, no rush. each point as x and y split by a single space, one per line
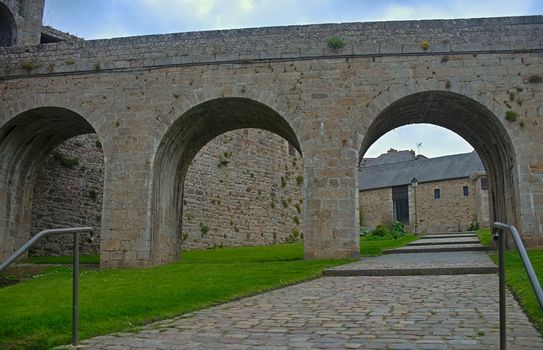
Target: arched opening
25 142
474 123
427 178
8 28
184 139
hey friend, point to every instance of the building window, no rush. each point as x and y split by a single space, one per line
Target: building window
437 193
466 190
484 183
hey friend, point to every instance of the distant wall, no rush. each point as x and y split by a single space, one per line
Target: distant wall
376 207
452 212
68 193
243 188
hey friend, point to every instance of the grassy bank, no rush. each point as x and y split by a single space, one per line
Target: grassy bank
519 284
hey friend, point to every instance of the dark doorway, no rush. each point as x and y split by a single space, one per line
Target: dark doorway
400 204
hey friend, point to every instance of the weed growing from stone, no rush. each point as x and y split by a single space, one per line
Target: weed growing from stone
335 43
511 116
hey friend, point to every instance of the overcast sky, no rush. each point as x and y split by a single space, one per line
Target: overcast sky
97 19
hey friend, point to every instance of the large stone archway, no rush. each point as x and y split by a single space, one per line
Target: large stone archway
155 100
25 141
180 144
470 119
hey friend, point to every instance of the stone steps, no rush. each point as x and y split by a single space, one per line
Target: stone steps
455 234
472 270
443 236
440 248
421 264
436 254
444 241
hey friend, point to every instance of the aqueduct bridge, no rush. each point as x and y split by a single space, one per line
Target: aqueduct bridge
154 101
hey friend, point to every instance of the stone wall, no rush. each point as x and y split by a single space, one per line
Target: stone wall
278 43
243 188
68 192
481 200
376 207
451 212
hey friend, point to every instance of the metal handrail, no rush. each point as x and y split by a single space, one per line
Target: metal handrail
75 283
497 227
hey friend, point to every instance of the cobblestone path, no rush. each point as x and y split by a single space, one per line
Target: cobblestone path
362 312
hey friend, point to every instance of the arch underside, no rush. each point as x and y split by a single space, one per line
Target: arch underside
473 122
25 141
187 135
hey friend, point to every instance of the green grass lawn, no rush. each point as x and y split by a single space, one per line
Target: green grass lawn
485 237
519 284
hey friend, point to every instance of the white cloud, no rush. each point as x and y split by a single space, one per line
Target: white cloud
459 9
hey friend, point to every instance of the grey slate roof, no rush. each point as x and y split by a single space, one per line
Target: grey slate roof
424 169
392 156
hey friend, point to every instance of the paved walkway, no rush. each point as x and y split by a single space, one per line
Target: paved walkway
451 311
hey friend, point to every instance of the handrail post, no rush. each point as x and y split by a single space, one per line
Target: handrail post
75 282
501 266
499 230
75 290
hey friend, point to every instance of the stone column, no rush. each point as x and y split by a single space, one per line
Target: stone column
331 223
125 237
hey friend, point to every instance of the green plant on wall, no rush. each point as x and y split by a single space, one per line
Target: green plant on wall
511 116
335 43
64 161
204 228
425 45
299 180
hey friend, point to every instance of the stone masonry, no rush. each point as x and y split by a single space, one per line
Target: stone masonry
68 193
452 212
243 188
154 101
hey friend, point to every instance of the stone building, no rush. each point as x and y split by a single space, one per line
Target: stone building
450 193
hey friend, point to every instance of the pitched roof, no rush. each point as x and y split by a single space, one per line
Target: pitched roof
424 169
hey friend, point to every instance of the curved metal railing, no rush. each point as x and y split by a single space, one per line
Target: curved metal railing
498 230
75 288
